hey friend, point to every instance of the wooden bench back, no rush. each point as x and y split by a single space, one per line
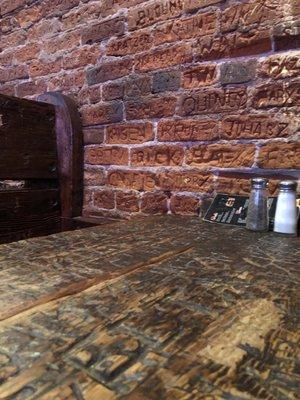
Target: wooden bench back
40 146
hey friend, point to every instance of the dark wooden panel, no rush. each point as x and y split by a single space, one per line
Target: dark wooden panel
27 213
27 139
70 152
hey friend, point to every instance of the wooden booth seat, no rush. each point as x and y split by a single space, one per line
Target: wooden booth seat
41 166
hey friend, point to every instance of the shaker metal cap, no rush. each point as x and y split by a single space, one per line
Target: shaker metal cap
259 182
287 185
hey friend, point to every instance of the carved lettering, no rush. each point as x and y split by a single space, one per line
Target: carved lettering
199 76
221 155
129 133
106 155
154 11
285 66
252 127
157 155
137 180
277 95
191 181
135 43
213 101
187 130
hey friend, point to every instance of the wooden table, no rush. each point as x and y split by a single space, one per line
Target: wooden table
161 308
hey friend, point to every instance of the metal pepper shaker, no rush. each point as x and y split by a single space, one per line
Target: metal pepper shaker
258 214
286 209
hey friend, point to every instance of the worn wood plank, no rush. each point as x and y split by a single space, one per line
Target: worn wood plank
186 310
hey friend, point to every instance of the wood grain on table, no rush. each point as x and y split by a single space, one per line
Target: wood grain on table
157 308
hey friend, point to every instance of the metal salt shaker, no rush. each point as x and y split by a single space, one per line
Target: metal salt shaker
258 214
286 209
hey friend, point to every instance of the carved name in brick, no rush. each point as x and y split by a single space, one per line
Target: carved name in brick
192 181
277 95
201 75
137 180
137 86
131 44
106 155
213 101
129 133
237 72
233 45
153 107
279 155
109 71
187 130
103 113
157 155
250 13
174 55
184 205
180 29
221 155
103 30
252 127
154 11
281 66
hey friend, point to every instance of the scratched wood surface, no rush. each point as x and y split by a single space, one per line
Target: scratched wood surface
162 308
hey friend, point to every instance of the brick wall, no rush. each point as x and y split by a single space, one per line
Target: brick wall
178 97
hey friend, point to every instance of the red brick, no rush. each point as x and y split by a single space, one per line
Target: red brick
67 81
154 203
242 186
28 52
26 17
187 205
94 176
253 126
104 199
178 54
93 135
103 30
137 86
43 29
240 16
128 201
279 155
31 88
157 155
80 15
58 7
8 89
187 130
110 7
90 94
154 11
113 91
43 67
151 107
201 75
6 58
185 180
129 133
66 41
13 39
137 180
109 71
213 101
281 66
81 57
130 44
12 73
221 155
102 113
8 6
106 155
233 45
277 95
186 28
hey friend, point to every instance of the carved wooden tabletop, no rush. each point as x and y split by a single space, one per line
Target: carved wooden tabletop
161 308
